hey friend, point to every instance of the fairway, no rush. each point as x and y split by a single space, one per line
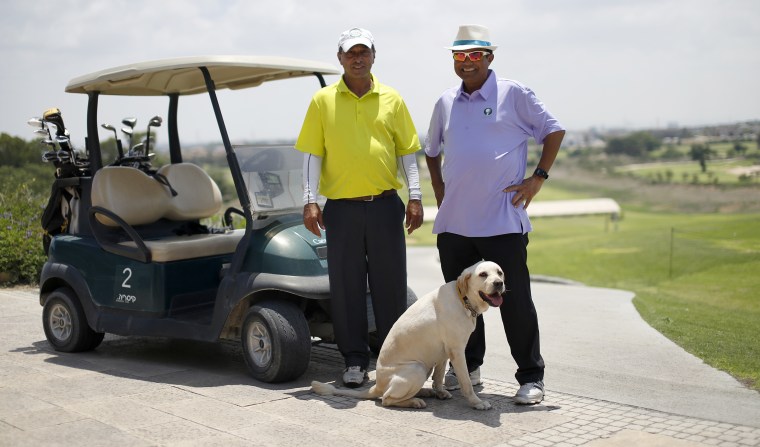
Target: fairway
695 276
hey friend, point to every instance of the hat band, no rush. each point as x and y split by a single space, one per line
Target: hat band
483 43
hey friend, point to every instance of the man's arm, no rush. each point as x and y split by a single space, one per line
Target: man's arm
527 190
414 213
312 214
436 177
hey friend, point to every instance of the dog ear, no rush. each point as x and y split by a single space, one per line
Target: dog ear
462 281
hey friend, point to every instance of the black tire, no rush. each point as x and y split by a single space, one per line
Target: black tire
65 324
276 341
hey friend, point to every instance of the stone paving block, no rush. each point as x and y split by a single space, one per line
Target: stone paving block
379 427
274 431
9 370
155 398
13 402
186 433
134 367
83 432
309 410
214 414
88 387
122 412
241 390
510 425
380 433
435 417
51 363
18 330
36 419
478 434
628 438
11 436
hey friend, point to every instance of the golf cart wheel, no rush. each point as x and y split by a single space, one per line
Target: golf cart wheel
65 324
276 341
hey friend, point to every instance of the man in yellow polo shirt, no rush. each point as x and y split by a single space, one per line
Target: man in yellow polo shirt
356 137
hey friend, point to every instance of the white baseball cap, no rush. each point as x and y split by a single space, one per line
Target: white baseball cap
355 36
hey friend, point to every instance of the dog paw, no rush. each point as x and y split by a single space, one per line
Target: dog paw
417 403
442 394
426 392
482 405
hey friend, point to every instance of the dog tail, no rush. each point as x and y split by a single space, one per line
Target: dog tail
325 389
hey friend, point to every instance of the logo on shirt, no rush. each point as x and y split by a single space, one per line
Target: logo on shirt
487 111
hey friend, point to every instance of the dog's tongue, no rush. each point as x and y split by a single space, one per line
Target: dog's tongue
495 300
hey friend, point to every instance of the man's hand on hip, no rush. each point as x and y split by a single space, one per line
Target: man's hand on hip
525 191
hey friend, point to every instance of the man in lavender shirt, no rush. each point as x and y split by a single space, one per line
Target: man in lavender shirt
483 126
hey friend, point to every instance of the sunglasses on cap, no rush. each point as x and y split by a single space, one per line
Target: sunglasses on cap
474 56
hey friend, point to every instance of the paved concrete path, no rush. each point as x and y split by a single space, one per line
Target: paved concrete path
611 381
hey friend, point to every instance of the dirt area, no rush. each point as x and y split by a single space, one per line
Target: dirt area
747 170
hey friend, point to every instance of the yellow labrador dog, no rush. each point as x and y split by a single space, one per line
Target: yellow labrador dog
433 330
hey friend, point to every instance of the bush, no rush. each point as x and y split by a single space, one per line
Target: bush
21 253
671 153
637 144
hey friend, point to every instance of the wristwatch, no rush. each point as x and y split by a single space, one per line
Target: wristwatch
541 173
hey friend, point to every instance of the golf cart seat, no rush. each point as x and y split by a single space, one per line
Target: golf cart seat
197 197
128 199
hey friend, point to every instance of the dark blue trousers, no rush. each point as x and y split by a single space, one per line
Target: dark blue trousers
518 314
365 244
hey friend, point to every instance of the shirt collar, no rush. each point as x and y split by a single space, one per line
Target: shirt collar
486 89
343 88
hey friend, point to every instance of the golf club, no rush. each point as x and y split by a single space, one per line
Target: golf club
130 122
128 132
54 117
154 122
115 137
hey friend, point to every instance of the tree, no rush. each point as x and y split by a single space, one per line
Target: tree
16 152
740 149
637 144
701 153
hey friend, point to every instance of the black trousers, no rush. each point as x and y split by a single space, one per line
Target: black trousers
365 242
518 314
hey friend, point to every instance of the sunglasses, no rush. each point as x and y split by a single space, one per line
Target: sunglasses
474 56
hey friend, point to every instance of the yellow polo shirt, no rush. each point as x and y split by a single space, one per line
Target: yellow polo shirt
358 139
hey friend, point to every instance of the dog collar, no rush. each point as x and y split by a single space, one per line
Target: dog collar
469 307
466 303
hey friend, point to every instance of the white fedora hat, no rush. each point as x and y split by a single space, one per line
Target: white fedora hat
472 36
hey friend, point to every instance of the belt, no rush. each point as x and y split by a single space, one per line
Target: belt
386 193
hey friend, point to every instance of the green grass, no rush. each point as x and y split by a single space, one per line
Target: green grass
710 305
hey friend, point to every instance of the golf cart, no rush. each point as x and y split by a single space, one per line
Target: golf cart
132 257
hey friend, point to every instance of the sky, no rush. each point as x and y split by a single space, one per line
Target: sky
601 64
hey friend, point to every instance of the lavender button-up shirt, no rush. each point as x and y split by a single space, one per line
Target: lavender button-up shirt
484 137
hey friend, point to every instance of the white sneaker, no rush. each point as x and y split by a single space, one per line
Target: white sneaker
450 381
354 376
530 393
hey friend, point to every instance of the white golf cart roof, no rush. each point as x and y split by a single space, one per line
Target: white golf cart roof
182 75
